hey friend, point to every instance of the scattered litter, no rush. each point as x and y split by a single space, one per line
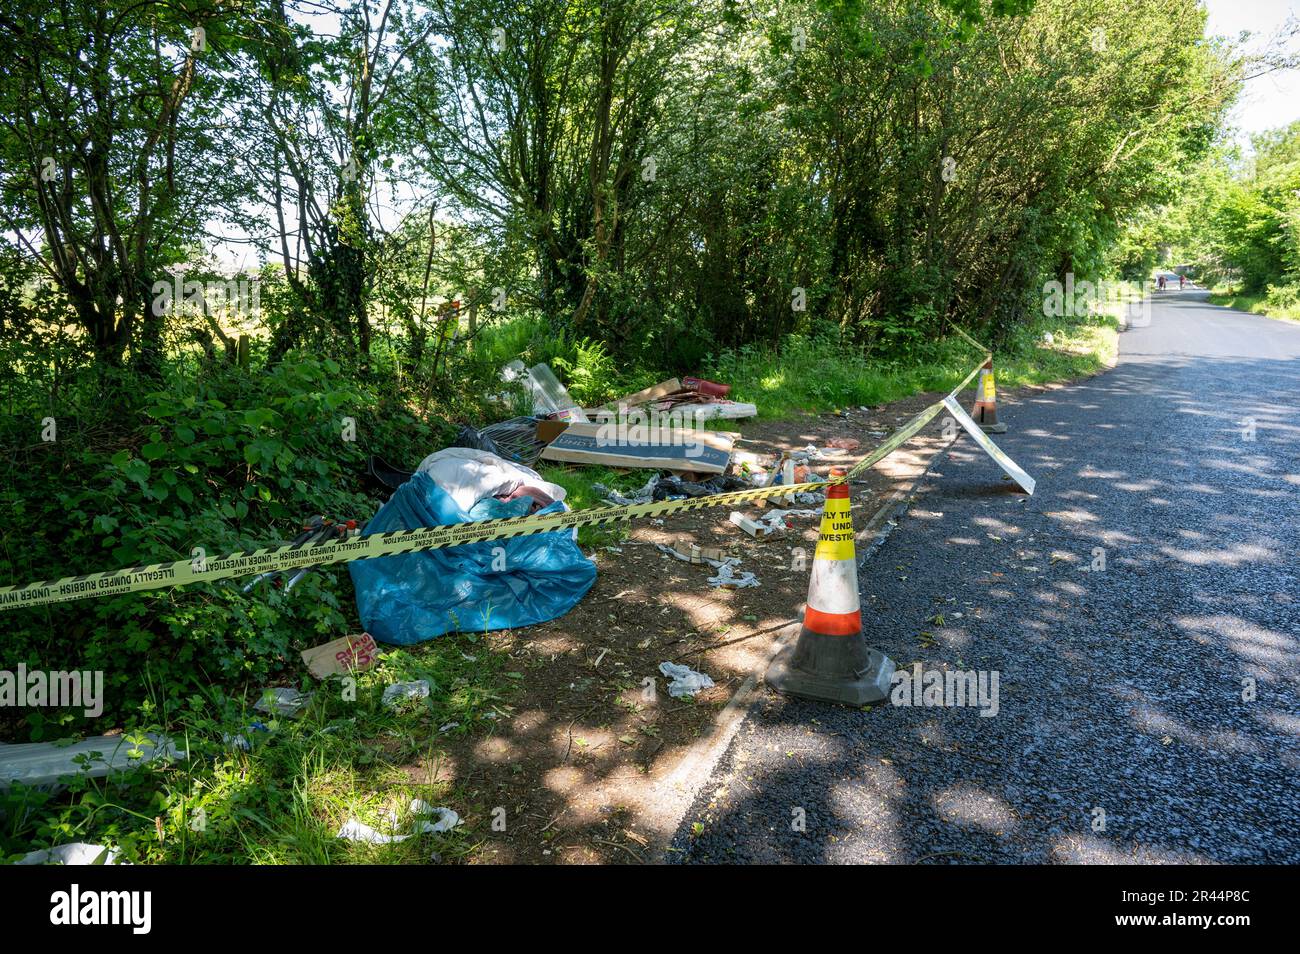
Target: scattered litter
727 578
690 552
282 701
448 726
807 455
399 693
776 520
685 680
669 487
752 527
354 830
844 443
644 495
241 742
75 853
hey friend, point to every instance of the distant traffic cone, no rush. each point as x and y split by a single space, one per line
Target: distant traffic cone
986 402
827 657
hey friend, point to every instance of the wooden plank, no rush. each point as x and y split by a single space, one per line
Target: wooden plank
649 394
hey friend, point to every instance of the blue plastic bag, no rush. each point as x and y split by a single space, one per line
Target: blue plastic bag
412 597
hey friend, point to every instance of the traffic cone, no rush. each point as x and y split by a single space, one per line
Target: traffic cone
829 660
986 402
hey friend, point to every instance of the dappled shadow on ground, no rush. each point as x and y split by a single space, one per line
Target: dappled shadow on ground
1147 704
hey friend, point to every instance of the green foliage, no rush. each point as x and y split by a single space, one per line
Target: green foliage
224 462
592 373
1239 220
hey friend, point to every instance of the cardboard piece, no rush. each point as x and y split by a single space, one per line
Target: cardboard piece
548 431
341 656
688 551
613 445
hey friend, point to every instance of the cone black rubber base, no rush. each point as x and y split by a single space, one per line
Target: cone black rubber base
840 669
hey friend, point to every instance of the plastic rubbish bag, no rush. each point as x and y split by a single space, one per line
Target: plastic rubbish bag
685 680
474 587
353 830
401 693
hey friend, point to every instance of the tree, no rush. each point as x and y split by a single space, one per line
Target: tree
106 137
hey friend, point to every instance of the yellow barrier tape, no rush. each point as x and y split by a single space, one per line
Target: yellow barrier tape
953 325
201 569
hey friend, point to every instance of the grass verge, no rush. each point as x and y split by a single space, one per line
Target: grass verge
282 800
1254 304
813 375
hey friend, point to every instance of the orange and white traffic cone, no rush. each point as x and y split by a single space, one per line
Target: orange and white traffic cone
986 402
829 659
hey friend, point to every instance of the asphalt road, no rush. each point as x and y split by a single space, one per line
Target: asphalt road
1126 728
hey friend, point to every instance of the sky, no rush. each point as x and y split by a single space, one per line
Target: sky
1269 101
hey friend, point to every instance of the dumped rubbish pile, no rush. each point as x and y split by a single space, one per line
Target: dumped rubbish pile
496 584
487 474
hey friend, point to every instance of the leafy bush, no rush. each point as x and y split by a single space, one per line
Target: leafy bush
1283 298
223 462
592 373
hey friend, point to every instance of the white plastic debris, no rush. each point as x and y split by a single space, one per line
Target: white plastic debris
752 527
287 702
774 520
353 830
42 764
76 853
644 495
447 819
401 692
729 578
685 680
